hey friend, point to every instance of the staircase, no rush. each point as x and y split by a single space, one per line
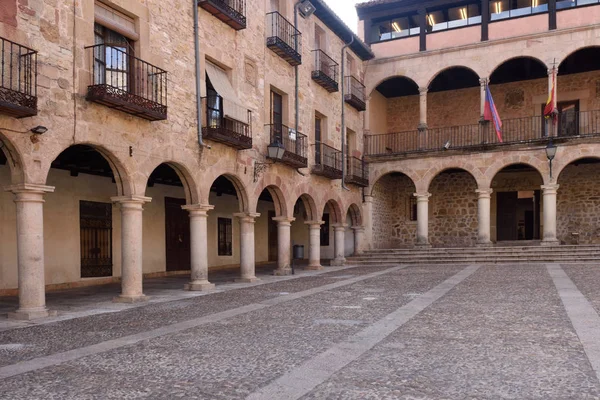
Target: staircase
480 255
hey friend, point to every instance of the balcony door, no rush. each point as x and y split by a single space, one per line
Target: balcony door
568 120
277 114
112 59
177 235
318 122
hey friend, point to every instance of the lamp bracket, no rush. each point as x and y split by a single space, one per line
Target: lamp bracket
260 168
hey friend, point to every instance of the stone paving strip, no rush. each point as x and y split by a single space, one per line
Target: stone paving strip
71 355
502 334
304 378
586 277
57 337
583 316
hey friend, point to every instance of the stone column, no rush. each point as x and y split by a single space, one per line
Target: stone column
247 260
549 204
284 225
199 247
482 84
339 238
423 108
29 200
131 248
314 248
368 222
359 239
423 219
483 214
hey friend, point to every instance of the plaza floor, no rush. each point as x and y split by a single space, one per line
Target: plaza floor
528 331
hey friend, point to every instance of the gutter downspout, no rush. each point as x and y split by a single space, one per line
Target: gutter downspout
344 113
198 81
296 89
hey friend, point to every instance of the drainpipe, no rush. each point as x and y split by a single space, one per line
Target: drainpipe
198 81
344 113
296 95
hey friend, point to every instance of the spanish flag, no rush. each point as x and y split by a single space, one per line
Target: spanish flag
550 109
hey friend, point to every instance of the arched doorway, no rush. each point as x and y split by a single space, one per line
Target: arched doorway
334 233
354 231
394 212
8 225
453 208
272 209
516 205
392 95
578 202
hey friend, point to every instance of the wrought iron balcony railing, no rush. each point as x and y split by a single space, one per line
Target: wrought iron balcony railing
284 39
481 136
18 82
357 172
325 71
328 161
127 83
232 12
355 93
220 128
294 143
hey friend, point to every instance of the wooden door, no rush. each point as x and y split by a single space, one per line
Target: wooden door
506 215
95 236
177 233
272 232
568 121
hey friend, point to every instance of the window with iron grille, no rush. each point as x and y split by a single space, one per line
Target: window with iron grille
225 235
325 231
95 224
412 208
112 60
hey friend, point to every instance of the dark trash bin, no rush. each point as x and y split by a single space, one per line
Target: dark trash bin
298 252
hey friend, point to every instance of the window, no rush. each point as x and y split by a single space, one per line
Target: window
225 235
318 122
395 28
453 17
350 65
95 235
562 4
412 208
325 231
112 60
502 9
320 43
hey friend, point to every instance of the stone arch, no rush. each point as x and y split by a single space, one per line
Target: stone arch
240 189
123 178
192 193
468 70
536 163
559 168
412 175
392 77
539 63
279 200
355 215
570 53
336 211
470 169
13 160
310 206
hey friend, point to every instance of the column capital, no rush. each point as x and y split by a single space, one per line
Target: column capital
423 90
29 188
200 210
131 199
283 220
368 198
247 217
483 81
551 71
422 196
550 189
357 228
314 224
339 227
484 193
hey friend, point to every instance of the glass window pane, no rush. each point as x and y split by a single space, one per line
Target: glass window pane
538 6
499 9
400 27
385 30
436 21
565 4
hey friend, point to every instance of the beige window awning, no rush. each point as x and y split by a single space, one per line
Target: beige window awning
232 107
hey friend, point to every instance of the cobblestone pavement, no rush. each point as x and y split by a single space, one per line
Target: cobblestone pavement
395 332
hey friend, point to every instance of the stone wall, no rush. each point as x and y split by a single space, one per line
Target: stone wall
578 204
392 227
453 210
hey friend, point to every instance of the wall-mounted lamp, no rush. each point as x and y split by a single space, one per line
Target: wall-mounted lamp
551 153
39 130
306 9
447 145
275 152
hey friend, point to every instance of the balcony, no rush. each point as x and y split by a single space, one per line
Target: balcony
328 161
284 39
232 12
18 85
294 143
355 93
325 72
127 83
357 172
478 137
220 128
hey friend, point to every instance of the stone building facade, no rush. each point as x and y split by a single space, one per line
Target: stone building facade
426 135
119 186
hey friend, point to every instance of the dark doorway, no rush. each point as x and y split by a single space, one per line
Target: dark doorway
95 225
518 215
272 237
568 120
177 233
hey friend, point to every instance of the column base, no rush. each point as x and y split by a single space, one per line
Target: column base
200 286
555 242
282 271
423 245
247 279
484 244
317 267
131 299
28 315
338 262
